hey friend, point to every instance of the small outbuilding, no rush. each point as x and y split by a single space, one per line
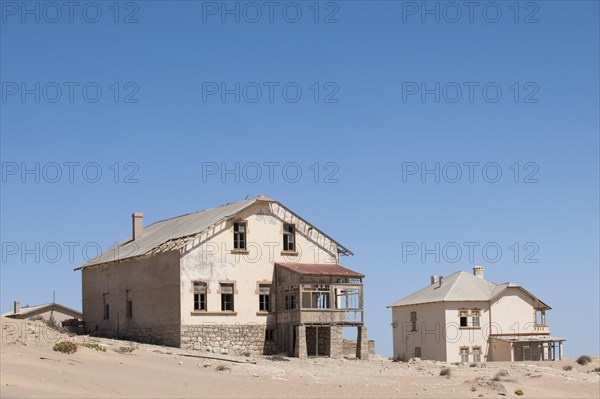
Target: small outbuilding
48 311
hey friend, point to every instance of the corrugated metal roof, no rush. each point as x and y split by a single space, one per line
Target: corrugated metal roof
27 310
460 286
160 232
315 269
527 338
179 227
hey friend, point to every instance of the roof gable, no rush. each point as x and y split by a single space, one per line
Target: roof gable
181 228
461 286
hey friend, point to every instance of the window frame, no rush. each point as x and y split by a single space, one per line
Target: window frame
224 296
198 300
262 301
286 237
240 238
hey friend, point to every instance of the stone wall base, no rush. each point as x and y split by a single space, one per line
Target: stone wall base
232 339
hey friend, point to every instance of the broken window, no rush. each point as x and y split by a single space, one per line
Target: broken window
227 297
289 237
475 318
264 297
269 335
105 306
477 354
239 235
199 296
464 355
413 321
540 317
463 318
348 298
290 302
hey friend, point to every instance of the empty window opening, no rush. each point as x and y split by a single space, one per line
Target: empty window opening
269 335
129 305
289 237
105 306
463 318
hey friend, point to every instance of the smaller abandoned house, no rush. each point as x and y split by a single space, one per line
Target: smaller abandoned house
250 277
49 311
465 318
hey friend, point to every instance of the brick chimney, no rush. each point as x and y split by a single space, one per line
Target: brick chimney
478 271
17 307
137 225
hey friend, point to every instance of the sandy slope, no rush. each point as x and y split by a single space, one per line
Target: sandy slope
30 368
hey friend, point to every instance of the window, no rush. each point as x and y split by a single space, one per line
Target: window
540 317
289 237
477 355
413 321
129 305
418 351
239 235
199 296
264 297
290 302
463 318
105 306
475 318
227 297
269 335
464 355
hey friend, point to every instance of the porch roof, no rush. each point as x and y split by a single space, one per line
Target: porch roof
527 338
316 269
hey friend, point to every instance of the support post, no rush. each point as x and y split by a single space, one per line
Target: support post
300 344
362 343
335 342
560 350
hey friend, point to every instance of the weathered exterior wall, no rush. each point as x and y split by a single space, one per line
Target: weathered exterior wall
457 337
499 351
213 262
153 284
513 313
349 347
227 339
430 335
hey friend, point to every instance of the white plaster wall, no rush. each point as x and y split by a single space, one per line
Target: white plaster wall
429 335
211 261
513 313
457 337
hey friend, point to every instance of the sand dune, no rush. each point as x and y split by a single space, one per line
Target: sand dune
30 368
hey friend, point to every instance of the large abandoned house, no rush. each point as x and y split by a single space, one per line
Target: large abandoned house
246 277
465 318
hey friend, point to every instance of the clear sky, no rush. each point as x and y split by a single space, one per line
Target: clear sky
109 108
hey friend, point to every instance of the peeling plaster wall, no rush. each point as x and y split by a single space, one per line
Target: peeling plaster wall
211 261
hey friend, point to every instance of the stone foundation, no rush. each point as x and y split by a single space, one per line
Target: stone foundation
227 339
349 348
167 336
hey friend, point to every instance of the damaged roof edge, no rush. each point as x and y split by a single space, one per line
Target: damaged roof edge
342 250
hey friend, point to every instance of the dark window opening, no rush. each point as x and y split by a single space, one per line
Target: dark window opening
289 237
463 319
239 235
105 306
269 335
264 297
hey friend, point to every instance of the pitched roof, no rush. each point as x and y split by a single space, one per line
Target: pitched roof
33 310
459 286
326 269
181 227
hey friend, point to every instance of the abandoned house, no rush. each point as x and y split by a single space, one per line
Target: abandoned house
246 277
49 312
465 318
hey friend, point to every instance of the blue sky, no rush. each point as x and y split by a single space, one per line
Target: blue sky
162 91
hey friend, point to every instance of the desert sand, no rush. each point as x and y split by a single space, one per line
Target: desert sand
31 368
